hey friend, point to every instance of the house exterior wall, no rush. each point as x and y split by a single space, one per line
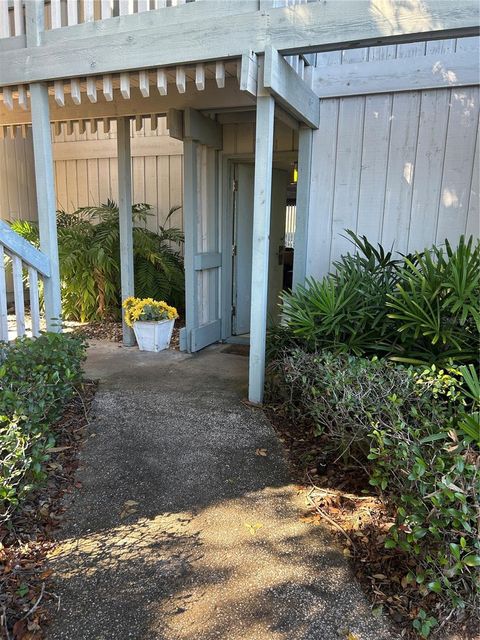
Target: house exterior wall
400 168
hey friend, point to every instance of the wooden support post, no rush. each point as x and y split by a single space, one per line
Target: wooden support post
305 144
125 220
46 201
18 294
3 299
260 246
44 176
190 204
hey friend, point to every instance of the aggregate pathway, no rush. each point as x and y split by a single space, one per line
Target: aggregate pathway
180 531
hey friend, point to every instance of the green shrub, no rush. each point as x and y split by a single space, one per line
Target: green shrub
417 432
430 472
37 377
89 252
419 309
436 304
341 396
346 312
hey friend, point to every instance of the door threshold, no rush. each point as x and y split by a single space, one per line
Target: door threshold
242 339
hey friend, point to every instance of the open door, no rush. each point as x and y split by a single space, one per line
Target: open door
242 245
202 254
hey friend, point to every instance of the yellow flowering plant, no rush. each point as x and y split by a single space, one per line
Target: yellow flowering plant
147 310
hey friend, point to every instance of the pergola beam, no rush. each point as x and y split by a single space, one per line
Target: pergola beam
211 98
289 89
401 74
200 33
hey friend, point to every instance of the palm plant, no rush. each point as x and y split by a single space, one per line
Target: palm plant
436 304
346 311
89 252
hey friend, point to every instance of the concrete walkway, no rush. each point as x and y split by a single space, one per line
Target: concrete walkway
181 531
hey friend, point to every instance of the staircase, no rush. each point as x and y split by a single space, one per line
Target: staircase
24 258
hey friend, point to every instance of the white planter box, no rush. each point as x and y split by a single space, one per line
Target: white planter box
153 336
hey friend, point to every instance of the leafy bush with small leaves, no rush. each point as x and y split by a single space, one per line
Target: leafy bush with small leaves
431 471
89 252
341 396
37 378
407 426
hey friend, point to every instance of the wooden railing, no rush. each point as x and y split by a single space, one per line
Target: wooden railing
66 13
24 257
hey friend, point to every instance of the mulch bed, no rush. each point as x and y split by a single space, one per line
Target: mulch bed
339 497
26 596
113 331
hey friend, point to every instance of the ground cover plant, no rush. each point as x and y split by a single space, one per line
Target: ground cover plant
37 378
43 410
384 421
89 252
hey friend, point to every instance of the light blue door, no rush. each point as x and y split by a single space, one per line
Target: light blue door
242 244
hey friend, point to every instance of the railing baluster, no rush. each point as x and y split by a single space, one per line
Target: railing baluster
4 20
72 12
34 301
18 294
3 298
18 17
56 14
88 11
106 9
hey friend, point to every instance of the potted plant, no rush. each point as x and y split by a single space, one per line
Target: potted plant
152 321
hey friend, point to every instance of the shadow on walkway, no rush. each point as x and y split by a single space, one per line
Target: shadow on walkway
181 531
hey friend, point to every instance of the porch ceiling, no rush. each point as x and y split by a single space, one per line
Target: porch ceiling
211 98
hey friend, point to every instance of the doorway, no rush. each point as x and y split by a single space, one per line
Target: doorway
243 180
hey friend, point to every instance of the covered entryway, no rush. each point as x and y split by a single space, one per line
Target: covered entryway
243 185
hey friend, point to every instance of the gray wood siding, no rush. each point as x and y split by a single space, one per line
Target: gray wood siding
400 168
86 171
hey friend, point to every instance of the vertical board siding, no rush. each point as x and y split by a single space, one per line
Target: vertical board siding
457 165
400 168
86 182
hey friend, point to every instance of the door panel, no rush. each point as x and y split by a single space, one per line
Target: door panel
242 267
277 242
243 226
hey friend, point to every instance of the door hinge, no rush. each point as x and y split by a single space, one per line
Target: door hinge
234 310
235 185
234 249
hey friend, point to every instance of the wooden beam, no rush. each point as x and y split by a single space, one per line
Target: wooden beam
175 124
401 74
260 246
140 147
125 220
29 254
190 206
18 294
3 298
165 38
46 202
211 98
202 129
44 175
289 89
305 146
248 73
